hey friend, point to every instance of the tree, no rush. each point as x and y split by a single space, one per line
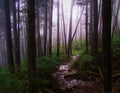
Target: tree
50 27
86 26
70 32
63 19
95 31
45 28
115 19
74 33
58 36
16 38
31 46
38 40
9 44
106 44
91 25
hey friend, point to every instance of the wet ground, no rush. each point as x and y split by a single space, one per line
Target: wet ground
67 81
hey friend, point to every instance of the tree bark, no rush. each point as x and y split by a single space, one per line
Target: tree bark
106 44
50 27
77 25
16 38
9 44
86 27
31 46
70 32
45 28
64 29
95 33
58 36
115 19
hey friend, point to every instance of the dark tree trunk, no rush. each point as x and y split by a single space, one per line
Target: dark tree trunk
9 44
64 29
31 46
45 28
50 27
95 33
86 26
58 36
70 32
16 38
38 41
91 25
106 44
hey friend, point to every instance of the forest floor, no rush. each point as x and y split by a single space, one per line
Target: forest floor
66 76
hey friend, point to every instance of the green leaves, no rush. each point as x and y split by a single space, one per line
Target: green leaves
116 49
8 82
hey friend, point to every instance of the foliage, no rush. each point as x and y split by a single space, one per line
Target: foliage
83 64
86 62
10 83
17 83
78 47
45 67
117 85
116 49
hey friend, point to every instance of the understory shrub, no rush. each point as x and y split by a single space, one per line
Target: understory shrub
17 83
116 49
117 86
10 83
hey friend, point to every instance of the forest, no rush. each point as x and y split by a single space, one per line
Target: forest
59 46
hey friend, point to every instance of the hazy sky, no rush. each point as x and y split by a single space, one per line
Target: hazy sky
66 7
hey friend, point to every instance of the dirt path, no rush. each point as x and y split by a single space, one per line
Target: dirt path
73 85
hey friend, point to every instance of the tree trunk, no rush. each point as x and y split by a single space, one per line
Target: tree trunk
115 19
70 32
38 41
9 44
50 27
31 46
91 25
64 29
45 28
16 38
95 33
106 44
58 36
77 25
86 26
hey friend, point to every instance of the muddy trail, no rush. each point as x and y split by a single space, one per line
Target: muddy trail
68 82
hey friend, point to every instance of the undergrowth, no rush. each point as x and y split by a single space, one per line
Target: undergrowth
17 83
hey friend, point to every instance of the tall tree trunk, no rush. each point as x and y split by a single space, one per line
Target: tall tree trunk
16 38
50 27
91 25
38 41
64 28
95 33
86 26
70 32
9 44
45 28
80 26
106 44
31 46
58 36
115 19
77 25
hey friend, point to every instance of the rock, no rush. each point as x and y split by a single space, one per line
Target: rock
64 67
